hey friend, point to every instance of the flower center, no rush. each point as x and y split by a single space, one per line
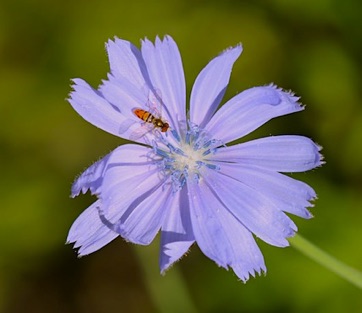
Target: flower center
185 157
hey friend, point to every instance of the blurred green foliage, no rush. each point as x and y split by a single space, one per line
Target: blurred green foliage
311 47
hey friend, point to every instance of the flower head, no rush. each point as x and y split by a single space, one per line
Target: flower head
183 178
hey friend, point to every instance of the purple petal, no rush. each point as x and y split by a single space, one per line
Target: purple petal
284 193
143 218
123 95
88 233
277 153
123 185
176 233
92 178
249 110
210 86
208 230
220 235
166 74
126 61
131 184
252 209
90 104
247 258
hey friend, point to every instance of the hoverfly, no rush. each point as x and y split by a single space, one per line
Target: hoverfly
150 116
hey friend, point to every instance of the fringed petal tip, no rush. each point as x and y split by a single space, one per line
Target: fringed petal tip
167 261
77 188
307 214
88 233
75 83
115 41
92 178
288 92
77 248
288 95
166 266
254 274
78 82
110 42
72 84
80 250
145 41
82 184
161 39
320 157
158 40
244 272
238 48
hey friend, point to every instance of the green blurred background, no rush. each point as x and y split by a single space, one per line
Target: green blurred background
312 47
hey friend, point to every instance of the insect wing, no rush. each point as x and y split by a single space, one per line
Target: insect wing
154 102
125 125
142 130
153 107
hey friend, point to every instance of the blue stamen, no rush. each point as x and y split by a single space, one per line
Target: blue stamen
171 147
175 135
199 164
206 152
167 166
212 166
161 153
180 152
182 159
196 177
188 138
207 143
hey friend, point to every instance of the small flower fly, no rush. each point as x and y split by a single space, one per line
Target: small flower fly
151 116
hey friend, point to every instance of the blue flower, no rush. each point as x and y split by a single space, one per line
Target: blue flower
183 178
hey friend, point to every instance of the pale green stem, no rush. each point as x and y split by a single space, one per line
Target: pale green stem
169 292
348 273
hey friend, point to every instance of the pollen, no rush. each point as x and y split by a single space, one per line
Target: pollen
185 158
190 159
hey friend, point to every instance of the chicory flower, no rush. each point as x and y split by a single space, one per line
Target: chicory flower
183 178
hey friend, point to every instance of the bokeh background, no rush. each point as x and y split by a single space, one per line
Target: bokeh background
312 47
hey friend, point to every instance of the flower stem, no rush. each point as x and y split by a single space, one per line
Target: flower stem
348 273
169 293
